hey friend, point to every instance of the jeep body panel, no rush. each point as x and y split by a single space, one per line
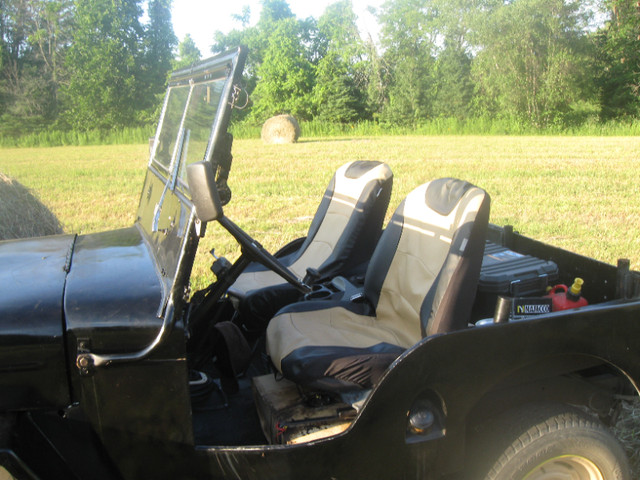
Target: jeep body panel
531 360
528 357
32 354
114 293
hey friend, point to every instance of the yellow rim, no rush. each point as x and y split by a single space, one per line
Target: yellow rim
565 467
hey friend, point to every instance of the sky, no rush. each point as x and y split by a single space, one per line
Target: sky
201 18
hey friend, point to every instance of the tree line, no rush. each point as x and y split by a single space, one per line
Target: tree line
534 62
87 64
83 64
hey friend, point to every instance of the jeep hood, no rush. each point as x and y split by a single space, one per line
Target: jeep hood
32 356
114 293
103 289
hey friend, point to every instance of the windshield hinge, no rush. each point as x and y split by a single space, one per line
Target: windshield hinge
235 95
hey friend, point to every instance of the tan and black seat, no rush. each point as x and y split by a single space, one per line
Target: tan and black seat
421 281
341 238
343 232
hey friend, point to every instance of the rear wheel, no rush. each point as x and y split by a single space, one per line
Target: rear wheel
544 442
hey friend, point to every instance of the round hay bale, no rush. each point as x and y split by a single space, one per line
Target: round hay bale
281 129
22 215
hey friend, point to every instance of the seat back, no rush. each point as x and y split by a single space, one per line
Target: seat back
350 215
423 275
344 230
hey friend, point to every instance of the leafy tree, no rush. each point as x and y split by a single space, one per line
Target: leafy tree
337 31
159 44
340 90
188 52
51 34
531 59
33 38
104 62
13 35
337 96
409 37
453 86
619 43
255 38
286 74
244 17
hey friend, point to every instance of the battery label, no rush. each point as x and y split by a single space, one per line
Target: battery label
525 306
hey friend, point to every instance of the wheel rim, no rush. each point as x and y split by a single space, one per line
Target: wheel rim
566 467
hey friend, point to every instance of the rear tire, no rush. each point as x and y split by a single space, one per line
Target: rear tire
549 442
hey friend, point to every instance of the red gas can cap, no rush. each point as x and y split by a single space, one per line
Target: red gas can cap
563 298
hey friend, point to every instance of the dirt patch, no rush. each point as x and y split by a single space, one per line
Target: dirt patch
22 214
280 129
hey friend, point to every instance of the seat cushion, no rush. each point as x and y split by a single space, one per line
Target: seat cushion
331 345
255 278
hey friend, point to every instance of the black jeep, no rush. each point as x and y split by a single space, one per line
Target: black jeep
429 349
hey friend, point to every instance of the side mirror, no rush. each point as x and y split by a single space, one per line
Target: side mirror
204 193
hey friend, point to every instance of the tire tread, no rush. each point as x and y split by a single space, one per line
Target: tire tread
506 438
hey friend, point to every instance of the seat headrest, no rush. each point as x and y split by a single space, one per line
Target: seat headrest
358 168
443 194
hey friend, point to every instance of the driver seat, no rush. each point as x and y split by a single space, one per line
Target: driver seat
421 281
343 232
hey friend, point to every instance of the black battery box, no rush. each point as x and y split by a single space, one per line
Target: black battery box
508 273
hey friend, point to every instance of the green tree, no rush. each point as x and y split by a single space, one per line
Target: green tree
339 93
409 38
188 52
104 62
34 36
160 40
51 35
286 74
453 86
336 95
531 59
14 54
256 38
619 43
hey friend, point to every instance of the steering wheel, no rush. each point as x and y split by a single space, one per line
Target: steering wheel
258 253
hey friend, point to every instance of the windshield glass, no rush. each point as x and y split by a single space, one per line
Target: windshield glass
186 127
166 141
203 105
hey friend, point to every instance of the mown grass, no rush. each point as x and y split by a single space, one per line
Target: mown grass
579 193
89 189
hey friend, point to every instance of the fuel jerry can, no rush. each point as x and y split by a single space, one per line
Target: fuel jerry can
563 298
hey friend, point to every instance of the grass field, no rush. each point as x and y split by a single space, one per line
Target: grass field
580 193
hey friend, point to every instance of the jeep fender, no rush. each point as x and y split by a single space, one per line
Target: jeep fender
462 369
